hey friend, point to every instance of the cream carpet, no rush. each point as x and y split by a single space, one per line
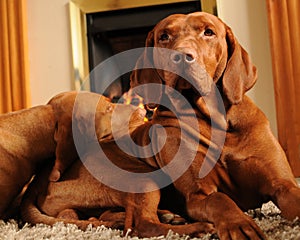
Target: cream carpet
267 218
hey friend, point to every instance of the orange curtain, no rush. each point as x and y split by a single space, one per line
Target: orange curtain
14 80
284 26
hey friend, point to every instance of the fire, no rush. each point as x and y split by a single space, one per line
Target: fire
136 100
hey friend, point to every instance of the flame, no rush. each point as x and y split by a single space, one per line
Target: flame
136 100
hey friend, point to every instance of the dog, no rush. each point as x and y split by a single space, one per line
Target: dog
91 105
26 142
79 196
251 167
31 137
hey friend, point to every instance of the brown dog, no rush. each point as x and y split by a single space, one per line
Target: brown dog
80 194
26 141
93 106
251 167
31 137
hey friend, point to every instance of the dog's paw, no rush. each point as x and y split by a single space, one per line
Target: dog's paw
115 224
288 201
54 175
239 228
68 214
168 217
203 228
174 219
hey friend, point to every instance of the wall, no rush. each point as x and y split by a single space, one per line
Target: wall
49 49
248 20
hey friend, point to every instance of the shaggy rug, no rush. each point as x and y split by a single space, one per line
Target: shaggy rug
268 218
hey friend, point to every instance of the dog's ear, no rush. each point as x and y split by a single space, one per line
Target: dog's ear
145 71
240 74
84 112
150 39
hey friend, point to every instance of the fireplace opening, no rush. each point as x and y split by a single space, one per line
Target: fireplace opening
112 32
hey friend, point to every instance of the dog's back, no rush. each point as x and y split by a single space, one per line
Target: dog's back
26 140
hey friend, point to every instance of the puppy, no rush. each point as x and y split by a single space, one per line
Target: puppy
31 137
76 115
26 142
81 190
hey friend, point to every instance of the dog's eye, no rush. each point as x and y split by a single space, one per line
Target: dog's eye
208 32
164 37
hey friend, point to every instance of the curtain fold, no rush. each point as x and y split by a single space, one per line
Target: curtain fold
284 27
14 76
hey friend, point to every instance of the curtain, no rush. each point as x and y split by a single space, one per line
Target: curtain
14 80
284 27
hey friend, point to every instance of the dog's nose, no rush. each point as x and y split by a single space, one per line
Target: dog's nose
176 58
187 57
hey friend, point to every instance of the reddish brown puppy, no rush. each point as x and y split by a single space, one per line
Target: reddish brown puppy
79 194
93 106
26 142
31 137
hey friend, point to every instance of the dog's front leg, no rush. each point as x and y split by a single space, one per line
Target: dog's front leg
141 217
229 220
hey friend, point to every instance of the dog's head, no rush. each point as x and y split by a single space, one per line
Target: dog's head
94 117
198 50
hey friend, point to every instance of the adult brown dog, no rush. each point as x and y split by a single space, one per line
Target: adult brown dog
252 168
31 137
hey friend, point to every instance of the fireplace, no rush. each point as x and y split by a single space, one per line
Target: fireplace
111 30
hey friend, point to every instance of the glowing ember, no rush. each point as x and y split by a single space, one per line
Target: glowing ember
134 99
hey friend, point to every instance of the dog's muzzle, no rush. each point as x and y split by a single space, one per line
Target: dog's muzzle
179 58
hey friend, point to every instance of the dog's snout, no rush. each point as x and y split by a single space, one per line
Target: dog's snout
176 58
186 56
189 58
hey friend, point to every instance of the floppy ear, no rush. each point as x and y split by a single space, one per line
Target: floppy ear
145 72
240 74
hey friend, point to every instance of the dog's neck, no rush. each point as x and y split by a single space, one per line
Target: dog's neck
213 106
210 108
